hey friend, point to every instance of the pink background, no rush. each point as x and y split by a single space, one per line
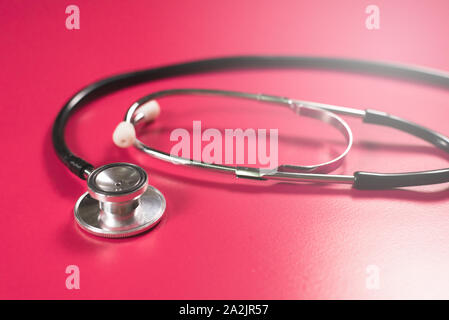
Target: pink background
222 237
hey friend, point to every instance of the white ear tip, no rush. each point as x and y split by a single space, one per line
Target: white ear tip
150 110
124 135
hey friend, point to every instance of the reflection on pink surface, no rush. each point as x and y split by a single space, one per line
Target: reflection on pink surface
222 237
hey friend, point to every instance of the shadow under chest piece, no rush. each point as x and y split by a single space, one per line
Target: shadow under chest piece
119 202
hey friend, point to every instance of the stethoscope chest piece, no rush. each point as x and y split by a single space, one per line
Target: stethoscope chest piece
119 202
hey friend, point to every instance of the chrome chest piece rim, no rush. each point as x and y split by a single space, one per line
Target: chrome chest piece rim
119 202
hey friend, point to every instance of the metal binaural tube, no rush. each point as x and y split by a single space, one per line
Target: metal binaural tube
310 177
358 113
316 111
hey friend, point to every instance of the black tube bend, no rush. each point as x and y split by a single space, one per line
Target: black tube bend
79 166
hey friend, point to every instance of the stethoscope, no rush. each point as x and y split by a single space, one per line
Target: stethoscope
120 203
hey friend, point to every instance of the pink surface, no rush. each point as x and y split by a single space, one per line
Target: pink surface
222 237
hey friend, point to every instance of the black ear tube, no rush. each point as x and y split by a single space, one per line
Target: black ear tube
385 119
369 180
377 181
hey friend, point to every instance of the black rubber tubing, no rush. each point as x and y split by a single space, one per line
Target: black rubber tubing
369 180
362 179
